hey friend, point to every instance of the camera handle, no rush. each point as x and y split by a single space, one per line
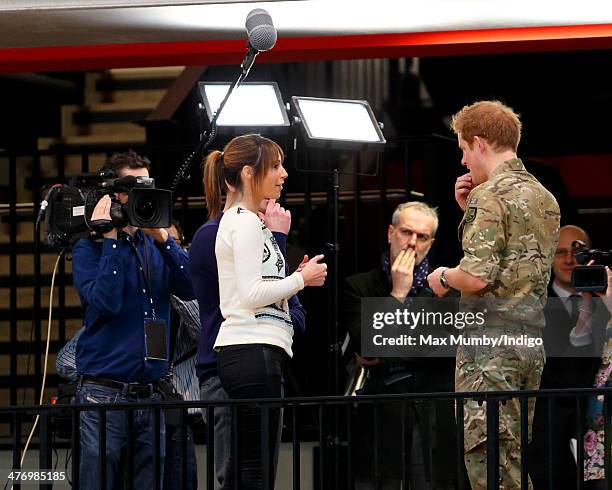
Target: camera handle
45 203
102 226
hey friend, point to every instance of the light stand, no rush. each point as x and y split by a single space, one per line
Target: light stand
334 125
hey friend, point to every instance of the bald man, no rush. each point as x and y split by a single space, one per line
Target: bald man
564 262
567 366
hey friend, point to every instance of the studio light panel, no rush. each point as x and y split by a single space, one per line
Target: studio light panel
342 124
251 105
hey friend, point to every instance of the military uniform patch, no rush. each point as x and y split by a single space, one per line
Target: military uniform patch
470 214
473 201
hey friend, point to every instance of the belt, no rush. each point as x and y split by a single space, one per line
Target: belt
134 389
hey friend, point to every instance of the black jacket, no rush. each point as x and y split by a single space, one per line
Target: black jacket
566 367
426 375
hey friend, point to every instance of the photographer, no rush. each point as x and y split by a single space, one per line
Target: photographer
573 340
124 282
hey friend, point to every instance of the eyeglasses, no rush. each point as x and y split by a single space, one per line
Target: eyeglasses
421 237
563 252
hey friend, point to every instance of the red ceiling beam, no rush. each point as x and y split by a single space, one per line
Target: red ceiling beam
309 48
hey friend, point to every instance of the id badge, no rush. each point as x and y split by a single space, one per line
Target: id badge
155 340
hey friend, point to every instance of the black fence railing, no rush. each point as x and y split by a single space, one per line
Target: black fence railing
427 165
333 438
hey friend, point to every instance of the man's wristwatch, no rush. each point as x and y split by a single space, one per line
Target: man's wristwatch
443 279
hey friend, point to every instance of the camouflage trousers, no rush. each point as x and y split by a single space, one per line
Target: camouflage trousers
500 368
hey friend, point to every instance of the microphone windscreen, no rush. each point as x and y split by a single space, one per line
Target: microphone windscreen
260 30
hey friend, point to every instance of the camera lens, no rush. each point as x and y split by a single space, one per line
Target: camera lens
146 209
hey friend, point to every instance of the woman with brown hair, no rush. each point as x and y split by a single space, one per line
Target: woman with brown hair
254 341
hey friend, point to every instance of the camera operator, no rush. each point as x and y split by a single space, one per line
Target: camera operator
573 340
124 282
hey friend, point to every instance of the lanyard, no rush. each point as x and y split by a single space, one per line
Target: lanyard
146 271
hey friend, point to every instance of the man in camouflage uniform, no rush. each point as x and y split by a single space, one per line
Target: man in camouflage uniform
509 234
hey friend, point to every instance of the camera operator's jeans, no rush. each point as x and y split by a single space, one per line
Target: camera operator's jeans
174 463
254 371
143 448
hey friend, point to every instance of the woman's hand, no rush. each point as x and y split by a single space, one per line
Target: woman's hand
303 263
276 217
314 273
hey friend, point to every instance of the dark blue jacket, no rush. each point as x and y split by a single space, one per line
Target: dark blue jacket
111 286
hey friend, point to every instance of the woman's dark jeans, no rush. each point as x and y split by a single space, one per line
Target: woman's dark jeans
253 371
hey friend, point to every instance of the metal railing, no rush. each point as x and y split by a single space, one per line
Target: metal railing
331 469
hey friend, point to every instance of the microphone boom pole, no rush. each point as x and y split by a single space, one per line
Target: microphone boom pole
262 36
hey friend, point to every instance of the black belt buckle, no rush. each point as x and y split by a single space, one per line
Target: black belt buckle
133 389
140 390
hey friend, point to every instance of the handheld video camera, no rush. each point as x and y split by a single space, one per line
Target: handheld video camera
70 207
591 278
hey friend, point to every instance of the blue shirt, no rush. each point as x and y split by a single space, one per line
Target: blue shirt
205 279
112 289
184 376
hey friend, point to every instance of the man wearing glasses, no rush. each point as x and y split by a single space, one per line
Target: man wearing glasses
572 360
402 274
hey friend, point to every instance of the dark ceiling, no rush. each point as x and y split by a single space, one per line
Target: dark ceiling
564 98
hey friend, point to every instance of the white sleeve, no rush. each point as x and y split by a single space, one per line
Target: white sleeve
580 340
247 242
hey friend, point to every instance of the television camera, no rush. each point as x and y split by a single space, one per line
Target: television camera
591 278
68 208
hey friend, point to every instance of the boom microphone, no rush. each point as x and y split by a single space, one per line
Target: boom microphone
262 36
260 30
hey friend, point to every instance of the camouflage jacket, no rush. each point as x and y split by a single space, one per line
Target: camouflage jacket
509 234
